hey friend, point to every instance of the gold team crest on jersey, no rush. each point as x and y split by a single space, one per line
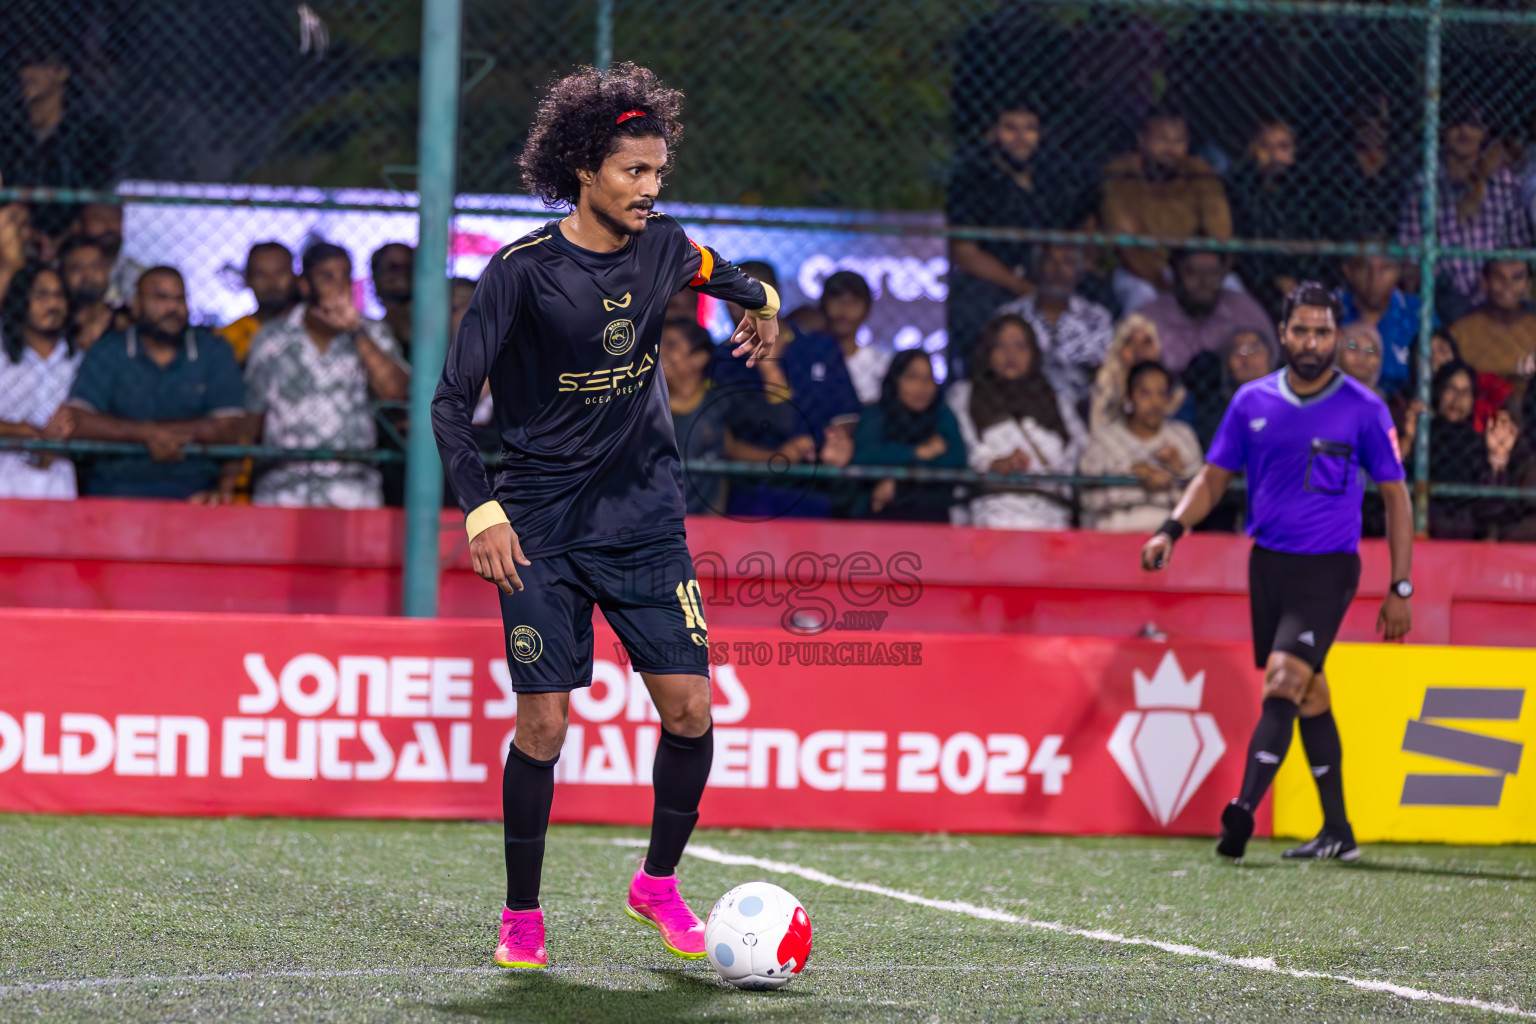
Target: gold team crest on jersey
619 336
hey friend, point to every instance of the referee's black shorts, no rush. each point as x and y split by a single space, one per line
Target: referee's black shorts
648 593
1298 602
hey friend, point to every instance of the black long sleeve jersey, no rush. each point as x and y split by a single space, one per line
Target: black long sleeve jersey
570 340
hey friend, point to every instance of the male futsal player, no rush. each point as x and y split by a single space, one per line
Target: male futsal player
1306 434
566 323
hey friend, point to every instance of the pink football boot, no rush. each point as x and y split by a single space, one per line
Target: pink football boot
522 939
656 902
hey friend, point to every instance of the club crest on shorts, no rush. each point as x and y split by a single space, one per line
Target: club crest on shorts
619 337
525 644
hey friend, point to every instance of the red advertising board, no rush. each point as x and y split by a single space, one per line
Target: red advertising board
116 712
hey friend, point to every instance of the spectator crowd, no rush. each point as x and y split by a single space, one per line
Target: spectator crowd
1062 360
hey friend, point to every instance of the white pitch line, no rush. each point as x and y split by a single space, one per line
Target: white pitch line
1252 963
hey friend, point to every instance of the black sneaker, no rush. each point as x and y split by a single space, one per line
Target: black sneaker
1236 827
1329 844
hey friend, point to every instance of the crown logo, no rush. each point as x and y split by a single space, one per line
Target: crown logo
1168 688
1168 746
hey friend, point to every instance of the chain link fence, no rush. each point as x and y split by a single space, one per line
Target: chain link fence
960 156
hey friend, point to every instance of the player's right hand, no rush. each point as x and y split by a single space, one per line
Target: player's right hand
495 554
1157 552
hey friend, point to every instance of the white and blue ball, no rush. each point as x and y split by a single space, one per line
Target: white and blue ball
758 936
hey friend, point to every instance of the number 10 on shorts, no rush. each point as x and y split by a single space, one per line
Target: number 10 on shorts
693 605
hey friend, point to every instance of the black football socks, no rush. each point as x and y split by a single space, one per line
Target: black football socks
527 791
681 769
1271 739
1320 739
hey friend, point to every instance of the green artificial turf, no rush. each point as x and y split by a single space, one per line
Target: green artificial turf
278 920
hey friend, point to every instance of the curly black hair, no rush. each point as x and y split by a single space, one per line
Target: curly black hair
578 123
16 305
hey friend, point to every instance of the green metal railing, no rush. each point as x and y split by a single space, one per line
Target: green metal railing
773 472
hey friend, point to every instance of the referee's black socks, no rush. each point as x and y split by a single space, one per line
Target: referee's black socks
1271 739
527 791
681 769
1320 739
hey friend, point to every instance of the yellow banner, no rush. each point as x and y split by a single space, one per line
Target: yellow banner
1434 742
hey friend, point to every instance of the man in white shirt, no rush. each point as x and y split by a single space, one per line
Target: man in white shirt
36 371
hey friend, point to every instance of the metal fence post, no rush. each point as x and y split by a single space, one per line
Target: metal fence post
1430 201
436 156
604 42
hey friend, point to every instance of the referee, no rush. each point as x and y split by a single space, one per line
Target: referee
1306 435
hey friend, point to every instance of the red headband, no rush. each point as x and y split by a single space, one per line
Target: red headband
629 114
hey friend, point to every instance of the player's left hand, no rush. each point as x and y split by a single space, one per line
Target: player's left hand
757 336
1396 618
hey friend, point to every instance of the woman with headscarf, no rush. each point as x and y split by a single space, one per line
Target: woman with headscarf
909 426
1360 354
1460 453
1523 527
1014 422
1135 341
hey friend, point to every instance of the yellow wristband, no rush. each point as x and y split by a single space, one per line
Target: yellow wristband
484 517
769 309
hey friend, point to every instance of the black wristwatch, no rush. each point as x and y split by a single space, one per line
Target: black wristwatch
1403 589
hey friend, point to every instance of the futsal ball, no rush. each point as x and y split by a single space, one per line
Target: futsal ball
758 936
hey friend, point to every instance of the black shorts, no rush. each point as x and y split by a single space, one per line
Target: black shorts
1298 602
648 593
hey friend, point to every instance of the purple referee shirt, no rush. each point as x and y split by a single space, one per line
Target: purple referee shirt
1307 458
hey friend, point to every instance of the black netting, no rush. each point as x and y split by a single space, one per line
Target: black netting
933 147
